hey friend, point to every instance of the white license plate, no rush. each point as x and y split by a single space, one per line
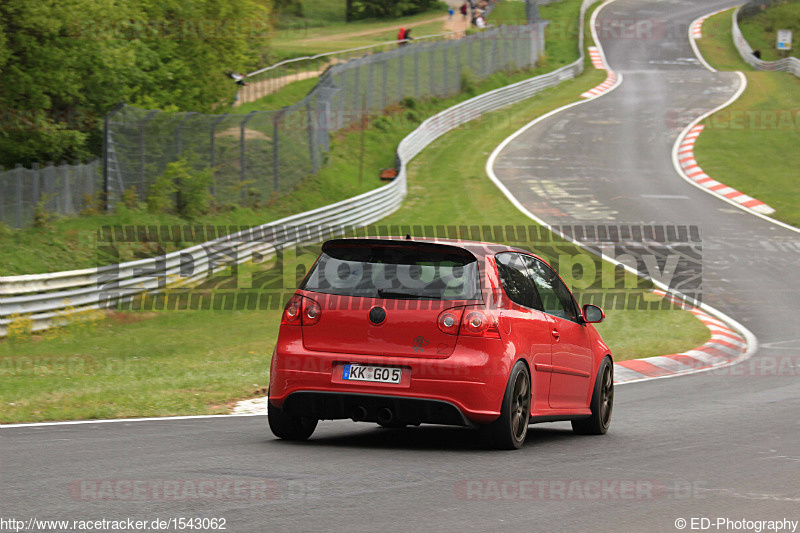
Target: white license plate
378 374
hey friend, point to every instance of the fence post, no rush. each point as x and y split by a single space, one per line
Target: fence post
458 66
502 46
416 72
515 46
401 58
493 59
106 134
370 85
143 153
178 145
385 82
431 53
242 153
66 202
311 150
341 92
35 178
213 150
446 71
470 55
106 138
18 176
54 199
483 55
356 91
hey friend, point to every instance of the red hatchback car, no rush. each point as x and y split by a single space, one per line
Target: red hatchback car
403 332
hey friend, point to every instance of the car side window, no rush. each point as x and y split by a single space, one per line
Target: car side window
516 280
555 297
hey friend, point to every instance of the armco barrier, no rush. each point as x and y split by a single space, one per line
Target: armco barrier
47 299
787 64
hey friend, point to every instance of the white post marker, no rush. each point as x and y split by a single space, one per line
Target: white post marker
784 40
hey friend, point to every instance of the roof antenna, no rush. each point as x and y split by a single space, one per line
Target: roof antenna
408 236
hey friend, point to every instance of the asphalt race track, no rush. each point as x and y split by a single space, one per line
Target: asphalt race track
716 444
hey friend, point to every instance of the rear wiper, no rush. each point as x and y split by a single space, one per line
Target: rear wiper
407 295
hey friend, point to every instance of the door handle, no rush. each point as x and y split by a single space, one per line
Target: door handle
556 334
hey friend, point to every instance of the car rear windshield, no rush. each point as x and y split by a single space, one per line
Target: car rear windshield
420 271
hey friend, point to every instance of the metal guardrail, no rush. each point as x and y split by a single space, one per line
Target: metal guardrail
787 64
48 299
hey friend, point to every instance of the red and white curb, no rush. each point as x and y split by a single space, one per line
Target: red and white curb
725 346
696 30
693 171
611 79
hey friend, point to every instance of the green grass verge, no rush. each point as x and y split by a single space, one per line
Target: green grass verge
288 95
511 13
761 30
200 362
303 40
752 144
717 46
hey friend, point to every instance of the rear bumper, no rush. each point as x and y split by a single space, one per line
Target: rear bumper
368 407
465 389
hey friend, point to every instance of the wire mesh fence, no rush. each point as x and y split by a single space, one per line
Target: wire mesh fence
265 154
64 189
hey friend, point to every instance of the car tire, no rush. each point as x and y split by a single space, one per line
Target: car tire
602 403
508 432
290 427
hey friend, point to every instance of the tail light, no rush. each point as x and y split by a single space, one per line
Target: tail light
311 312
480 324
473 322
301 311
449 321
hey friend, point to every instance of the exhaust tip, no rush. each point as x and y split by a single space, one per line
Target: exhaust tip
385 415
359 413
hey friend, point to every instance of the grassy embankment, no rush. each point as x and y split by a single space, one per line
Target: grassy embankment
752 144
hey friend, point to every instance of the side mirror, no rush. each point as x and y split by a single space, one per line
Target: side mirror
592 314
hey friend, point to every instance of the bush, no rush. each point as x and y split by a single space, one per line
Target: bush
130 198
468 83
408 103
93 204
41 216
188 186
159 197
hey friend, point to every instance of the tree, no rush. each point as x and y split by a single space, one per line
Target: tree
66 63
366 9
